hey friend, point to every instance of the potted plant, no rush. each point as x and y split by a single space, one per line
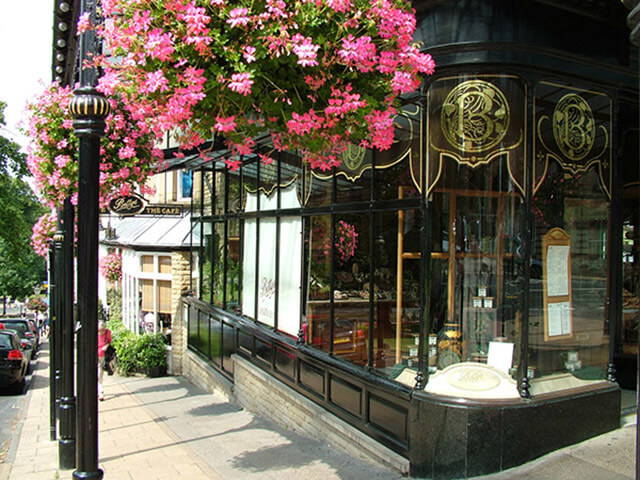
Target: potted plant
151 354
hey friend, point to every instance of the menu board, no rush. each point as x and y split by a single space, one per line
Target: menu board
556 279
557 270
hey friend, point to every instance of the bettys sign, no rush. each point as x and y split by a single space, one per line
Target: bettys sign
126 205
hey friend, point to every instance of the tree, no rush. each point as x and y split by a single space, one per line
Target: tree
20 268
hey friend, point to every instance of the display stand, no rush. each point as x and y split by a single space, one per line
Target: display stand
556 281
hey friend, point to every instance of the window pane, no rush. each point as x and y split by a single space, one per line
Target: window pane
351 296
220 191
146 263
354 177
397 294
568 344
207 266
186 183
476 266
233 266
318 239
164 264
148 303
164 296
290 270
399 166
218 263
319 188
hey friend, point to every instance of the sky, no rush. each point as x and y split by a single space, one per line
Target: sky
26 39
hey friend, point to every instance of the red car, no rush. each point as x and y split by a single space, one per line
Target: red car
13 362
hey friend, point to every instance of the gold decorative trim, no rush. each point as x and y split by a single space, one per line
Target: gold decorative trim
405 153
268 192
89 106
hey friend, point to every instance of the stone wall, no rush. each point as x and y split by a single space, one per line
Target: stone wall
180 283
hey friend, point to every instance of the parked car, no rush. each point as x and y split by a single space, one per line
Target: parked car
13 361
26 329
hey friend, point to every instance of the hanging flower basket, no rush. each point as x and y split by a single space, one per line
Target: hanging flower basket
316 75
127 153
111 267
42 235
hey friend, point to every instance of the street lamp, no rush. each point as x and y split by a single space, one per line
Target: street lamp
89 109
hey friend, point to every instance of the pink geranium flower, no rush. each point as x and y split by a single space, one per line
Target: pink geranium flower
241 83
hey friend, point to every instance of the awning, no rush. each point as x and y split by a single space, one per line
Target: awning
150 233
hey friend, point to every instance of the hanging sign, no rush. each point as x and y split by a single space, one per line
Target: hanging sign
126 205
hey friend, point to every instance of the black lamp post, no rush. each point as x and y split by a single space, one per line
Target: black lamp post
53 295
89 109
633 20
55 354
67 400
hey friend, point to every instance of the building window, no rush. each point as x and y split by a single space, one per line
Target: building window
154 287
185 183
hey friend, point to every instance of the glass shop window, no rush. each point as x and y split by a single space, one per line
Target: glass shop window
476 218
217 262
396 294
568 340
261 280
206 267
352 287
318 319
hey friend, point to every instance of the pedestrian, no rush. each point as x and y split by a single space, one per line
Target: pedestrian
104 341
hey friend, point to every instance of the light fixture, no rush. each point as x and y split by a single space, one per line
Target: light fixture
58 79
62 27
61 43
59 69
60 58
64 7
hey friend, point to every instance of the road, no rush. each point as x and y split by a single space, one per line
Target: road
12 411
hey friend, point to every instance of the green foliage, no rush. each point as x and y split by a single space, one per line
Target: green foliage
151 351
11 159
124 341
20 268
136 353
114 301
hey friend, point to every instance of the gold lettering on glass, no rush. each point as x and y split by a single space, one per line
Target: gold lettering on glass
475 116
574 127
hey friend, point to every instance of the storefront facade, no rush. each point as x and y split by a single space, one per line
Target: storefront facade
459 297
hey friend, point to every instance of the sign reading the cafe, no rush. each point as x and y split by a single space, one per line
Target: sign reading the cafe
163 210
129 205
126 205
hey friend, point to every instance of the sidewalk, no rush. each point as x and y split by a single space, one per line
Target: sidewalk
166 428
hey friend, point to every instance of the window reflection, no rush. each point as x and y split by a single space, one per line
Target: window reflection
568 346
476 258
318 239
